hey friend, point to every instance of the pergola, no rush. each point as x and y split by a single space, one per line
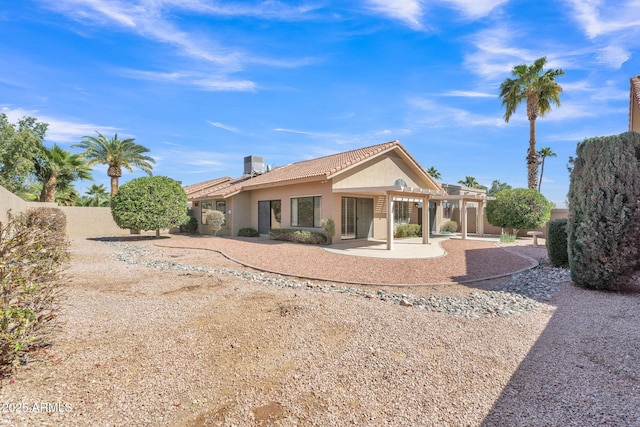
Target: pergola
398 193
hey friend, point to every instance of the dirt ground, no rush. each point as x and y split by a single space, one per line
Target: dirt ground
140 346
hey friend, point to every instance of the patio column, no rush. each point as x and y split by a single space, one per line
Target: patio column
426 229
463 218
438 222
389 221
480 219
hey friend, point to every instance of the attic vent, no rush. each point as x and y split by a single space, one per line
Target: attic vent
400 182
254 165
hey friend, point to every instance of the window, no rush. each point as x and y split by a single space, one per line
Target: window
446 209
305 211
401 213
221 206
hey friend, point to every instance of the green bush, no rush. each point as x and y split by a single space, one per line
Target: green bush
191 226
215 220
150 203
299 236
329 228
449 227
33 251
603 228
507 238
407 230
557 242
248 232
519 209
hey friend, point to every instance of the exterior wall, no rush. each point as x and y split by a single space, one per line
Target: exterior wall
81 221
285 194
225 230
90 222
381 171
10 202
634 111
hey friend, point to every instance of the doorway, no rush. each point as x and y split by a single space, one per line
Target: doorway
357 218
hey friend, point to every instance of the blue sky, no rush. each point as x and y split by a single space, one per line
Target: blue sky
203 84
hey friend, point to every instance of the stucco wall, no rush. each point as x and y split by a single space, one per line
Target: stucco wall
490 229
81 221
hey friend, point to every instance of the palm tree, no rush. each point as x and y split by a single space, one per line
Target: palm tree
116 153
98 195
543 153
539 91
56 168
470 182
435 174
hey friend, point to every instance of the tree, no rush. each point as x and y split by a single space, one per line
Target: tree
57 168
470 182
435 174
215 220
539 91
519 209
19 145
116 153
98 195
603 228
497 186
543 153
150 203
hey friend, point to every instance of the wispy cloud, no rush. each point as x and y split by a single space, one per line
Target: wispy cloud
408 11
475 9
469 94
223 126
60 131
438 115
601 17
198 79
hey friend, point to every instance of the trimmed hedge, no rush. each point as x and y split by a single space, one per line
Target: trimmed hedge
449 227
248 232
557 243
604 212
191 226
298 236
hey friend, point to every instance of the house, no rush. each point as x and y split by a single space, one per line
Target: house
634 105
356 189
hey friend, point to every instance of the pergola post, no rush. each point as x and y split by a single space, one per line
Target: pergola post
480 219
463 217
389 221
426 229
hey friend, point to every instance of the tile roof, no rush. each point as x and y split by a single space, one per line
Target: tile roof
195 190
309 170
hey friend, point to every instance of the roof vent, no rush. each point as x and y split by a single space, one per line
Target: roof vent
254 165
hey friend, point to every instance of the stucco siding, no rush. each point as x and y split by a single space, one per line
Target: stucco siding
381 171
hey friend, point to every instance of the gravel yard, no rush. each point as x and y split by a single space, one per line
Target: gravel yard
154 335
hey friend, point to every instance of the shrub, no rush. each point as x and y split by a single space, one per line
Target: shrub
248 232
407 230
519 209
507 238
150 203
449 227
299 236
603 227
329 228
33 251
190 226
557 242
214 219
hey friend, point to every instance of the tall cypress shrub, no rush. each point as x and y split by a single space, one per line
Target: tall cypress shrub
604 212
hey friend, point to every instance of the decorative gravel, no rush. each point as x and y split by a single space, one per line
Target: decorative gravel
520 295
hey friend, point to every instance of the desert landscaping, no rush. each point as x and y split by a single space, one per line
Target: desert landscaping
151 334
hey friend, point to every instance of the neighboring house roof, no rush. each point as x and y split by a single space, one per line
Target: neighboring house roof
318 169
634 104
